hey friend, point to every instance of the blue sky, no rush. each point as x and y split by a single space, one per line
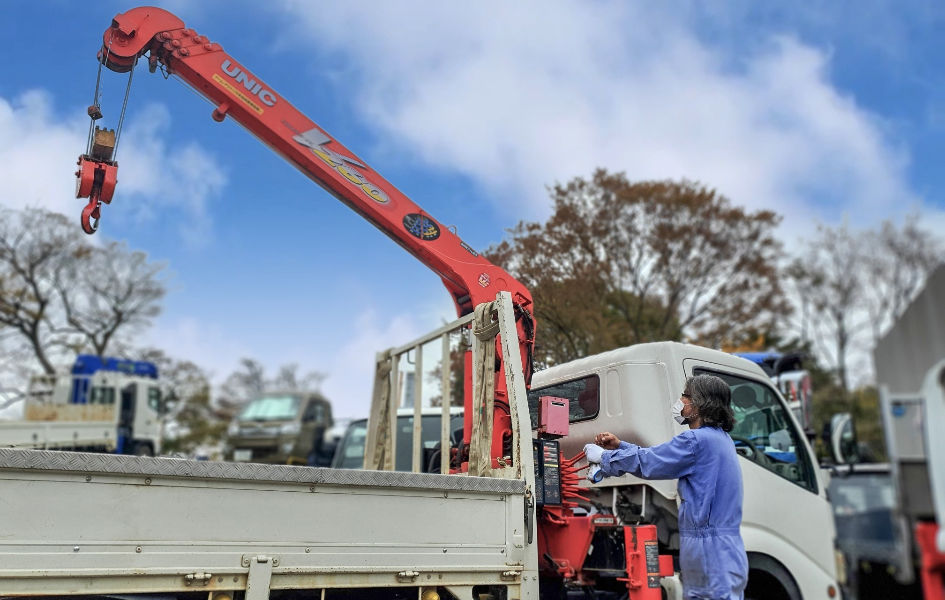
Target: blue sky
823 112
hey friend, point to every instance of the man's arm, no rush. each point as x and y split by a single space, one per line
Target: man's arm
671 460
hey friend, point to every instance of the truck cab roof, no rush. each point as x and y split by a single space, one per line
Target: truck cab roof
649 353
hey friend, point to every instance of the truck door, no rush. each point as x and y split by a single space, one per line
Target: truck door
148 409
126 418
313 427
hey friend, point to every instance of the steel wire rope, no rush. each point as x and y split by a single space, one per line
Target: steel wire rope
95 98
124 107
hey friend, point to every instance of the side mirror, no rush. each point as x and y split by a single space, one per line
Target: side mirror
811 435
842 441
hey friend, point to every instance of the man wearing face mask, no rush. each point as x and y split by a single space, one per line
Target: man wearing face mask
712 560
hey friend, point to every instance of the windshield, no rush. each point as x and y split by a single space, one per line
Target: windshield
351 453
271 408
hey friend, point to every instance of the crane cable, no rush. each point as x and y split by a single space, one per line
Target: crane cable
96 114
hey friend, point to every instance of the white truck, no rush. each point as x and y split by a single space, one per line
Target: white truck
101 405
787 522
142 525
910 371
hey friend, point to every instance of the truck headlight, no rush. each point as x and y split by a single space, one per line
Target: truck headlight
841 564
233 429
290 428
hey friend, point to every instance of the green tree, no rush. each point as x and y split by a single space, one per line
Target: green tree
619 263
190 419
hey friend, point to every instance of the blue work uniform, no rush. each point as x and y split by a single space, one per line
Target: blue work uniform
712 560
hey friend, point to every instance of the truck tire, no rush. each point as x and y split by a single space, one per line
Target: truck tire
769 580
142 449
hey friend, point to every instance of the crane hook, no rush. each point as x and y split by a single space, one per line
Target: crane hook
91 215
95 180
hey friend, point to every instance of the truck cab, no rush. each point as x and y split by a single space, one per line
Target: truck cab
101 405
285 427
787 522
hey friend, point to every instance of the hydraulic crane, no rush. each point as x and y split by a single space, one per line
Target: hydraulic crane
240 94
236 92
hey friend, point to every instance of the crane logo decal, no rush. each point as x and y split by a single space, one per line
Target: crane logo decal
421 226
252 86
315 140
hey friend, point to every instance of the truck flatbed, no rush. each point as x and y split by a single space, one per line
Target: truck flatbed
92 523
58 434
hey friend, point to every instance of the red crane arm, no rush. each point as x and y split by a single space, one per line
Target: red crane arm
239 93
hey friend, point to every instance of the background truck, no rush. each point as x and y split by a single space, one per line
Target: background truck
910 371
792 380
101 405
349 453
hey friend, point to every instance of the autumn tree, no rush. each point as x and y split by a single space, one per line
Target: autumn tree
250 380
850 285
288 377
60 295
242 385
619 263
898 262
109 290
35 247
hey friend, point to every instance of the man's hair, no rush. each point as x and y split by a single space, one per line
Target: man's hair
712 399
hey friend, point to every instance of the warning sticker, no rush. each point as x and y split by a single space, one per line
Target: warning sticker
652 551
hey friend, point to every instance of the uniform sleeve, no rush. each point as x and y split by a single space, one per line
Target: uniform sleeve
671 460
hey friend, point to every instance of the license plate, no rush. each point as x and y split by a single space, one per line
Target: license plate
242 455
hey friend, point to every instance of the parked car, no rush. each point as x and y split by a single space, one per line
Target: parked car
350 451
324 455
282 427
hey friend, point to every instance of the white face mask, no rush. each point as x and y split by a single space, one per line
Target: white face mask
677 412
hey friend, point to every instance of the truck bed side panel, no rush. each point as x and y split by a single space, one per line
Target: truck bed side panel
123 524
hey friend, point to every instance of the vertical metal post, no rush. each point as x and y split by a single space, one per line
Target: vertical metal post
379 421
390 460
445 373
515 385
417 409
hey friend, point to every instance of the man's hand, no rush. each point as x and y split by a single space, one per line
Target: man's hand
593 453
607 441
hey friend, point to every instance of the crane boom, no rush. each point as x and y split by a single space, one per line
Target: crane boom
239 93
242 95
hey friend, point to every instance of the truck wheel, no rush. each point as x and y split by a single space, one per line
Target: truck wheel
142 449
769 580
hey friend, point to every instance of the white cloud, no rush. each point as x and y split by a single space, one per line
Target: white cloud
39 153
211 346
350 369
348 363
517 96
